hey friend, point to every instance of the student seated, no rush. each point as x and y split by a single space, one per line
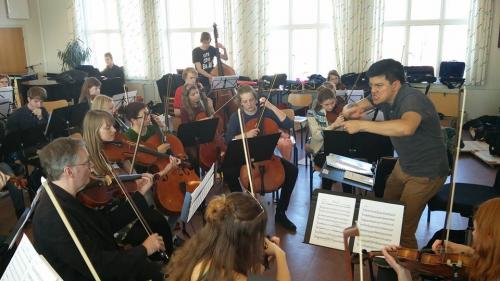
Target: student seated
91 88
67 166
327 105
189 75
4 80
32 114
334 79
485 250
231 245
112 70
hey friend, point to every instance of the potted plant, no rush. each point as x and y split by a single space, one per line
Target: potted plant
73 55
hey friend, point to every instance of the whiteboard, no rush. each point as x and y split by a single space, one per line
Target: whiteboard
18 9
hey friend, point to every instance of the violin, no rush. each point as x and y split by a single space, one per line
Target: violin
331 116
445 265
102 192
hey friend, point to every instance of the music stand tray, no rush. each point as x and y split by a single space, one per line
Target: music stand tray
224 82
261 148
197 132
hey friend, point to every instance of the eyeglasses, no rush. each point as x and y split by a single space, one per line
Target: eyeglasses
87 163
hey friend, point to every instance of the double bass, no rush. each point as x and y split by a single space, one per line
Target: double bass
222 97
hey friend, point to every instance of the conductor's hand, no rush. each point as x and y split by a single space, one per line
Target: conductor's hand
252 133
352 126
153 244
162 148
144 183
352 111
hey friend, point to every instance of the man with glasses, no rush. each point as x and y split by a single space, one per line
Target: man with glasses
67 166
412 123
203 58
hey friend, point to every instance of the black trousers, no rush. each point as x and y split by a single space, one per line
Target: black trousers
158 224
231 175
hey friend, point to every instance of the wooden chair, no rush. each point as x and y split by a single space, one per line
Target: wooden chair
291 115
50 106
302 101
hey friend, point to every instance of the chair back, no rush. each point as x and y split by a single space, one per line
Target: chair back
50 106
300 100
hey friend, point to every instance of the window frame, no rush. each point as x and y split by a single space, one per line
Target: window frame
290 27
407 23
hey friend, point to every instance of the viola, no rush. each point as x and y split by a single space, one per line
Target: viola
445 265
102 192
212 152
331 116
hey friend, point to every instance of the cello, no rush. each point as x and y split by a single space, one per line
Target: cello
171 188
223 97
269 175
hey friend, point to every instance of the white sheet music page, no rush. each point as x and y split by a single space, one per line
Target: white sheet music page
348 164
200 193
379 224
333 214
27 265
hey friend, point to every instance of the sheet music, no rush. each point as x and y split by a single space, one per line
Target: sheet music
118 99
349 164
379 224
200 193
333 214
27 265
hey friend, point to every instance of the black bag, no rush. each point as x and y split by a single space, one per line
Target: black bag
71 76
267 81
349 79
451 73
419 74
315 81
172 80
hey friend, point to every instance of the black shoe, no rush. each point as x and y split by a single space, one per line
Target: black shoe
282 219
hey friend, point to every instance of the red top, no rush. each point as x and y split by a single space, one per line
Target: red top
178 98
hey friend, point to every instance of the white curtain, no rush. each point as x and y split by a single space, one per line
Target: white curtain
246 31
357 29
478 37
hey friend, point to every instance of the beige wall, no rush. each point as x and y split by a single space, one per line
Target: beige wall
31 32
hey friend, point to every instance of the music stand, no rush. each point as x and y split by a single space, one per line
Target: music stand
58 123
224 82
121 99
337 142
197 132
192 201
261 148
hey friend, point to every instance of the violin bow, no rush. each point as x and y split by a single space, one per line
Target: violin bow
246 151
348 98
70 229
165 104
131 202
267 100
137 143
451 196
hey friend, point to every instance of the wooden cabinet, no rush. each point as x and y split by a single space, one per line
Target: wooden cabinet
12 53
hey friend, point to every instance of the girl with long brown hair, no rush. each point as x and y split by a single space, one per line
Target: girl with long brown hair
91 88
485 248
97 129
230 246
194 102
317 118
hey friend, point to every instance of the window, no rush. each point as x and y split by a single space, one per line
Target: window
300 41
117 27
180 24
425 32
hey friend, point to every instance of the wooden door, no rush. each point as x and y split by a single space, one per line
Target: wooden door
12 52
